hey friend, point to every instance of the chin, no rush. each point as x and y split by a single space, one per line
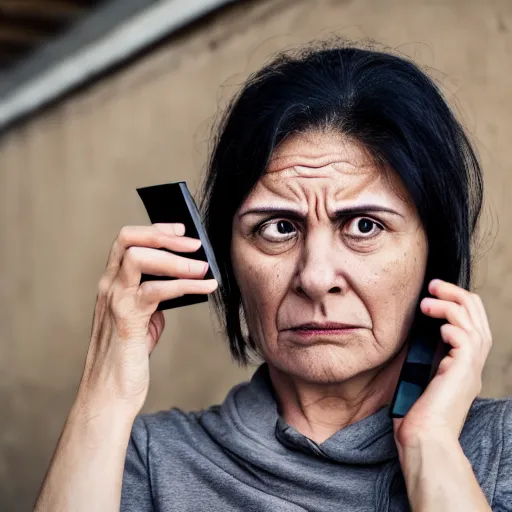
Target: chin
321 364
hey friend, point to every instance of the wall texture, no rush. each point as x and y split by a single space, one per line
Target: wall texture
68 179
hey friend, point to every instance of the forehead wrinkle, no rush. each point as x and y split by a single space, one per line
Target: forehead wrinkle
327 193
345 185
293 161
357 188
291 187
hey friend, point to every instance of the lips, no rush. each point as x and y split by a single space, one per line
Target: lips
321 326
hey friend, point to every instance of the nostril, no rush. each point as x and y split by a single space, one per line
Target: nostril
335 289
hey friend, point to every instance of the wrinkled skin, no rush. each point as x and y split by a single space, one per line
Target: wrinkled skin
364 269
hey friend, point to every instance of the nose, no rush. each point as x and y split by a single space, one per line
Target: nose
319 272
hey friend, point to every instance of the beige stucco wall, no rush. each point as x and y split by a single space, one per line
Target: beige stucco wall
68 179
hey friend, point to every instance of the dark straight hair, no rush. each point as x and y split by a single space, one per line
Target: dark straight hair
384 102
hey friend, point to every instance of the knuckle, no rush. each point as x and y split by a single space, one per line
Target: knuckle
146 292
160 239
473 297
121 304
104 286
455 308
124 235
179 289
131 256
171 229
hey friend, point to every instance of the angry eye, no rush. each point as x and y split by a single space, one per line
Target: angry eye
362 227
278 231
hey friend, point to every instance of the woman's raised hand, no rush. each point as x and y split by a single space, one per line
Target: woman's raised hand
442 408
127 325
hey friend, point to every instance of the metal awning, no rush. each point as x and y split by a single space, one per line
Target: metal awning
44 60
25 25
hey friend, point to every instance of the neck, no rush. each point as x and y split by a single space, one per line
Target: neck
318 411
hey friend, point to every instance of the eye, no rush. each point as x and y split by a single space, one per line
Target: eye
363 227
277 231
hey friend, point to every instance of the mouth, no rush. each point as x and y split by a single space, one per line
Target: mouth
322 329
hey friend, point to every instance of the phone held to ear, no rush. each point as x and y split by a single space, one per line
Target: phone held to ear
425 351
172 203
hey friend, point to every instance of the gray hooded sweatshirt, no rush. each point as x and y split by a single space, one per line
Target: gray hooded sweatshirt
241 456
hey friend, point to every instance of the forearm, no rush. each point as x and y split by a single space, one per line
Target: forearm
87 469
439 478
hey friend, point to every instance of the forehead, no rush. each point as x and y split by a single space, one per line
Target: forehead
327 165
317 149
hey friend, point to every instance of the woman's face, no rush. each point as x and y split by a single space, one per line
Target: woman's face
329 254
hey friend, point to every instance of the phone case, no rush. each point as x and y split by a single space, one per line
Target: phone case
426 349
173 203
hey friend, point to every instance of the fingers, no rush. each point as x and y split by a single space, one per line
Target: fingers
157 236
151 293
451 311
466 309
467 330
463 349
142 260
470 301
455 336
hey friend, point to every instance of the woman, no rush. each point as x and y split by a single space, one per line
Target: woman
341 200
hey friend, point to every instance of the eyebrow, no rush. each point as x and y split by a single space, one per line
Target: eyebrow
338 214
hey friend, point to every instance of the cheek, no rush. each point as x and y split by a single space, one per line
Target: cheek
262 284
395 289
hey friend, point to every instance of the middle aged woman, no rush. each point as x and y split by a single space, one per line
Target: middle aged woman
341 201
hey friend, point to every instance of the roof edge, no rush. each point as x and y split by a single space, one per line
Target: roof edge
106 38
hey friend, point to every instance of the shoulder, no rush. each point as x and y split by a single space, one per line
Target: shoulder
489 419
487 429
487 442
166 426
491 408
497 414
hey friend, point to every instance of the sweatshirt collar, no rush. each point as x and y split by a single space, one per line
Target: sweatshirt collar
368 441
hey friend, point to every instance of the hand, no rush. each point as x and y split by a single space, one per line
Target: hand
126 325
441 410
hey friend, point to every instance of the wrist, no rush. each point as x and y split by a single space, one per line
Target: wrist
428 452
438 475
103 411
106 400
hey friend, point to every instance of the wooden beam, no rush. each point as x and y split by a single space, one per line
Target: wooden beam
52 9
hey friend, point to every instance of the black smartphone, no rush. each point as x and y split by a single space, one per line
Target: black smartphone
425 351
173 203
